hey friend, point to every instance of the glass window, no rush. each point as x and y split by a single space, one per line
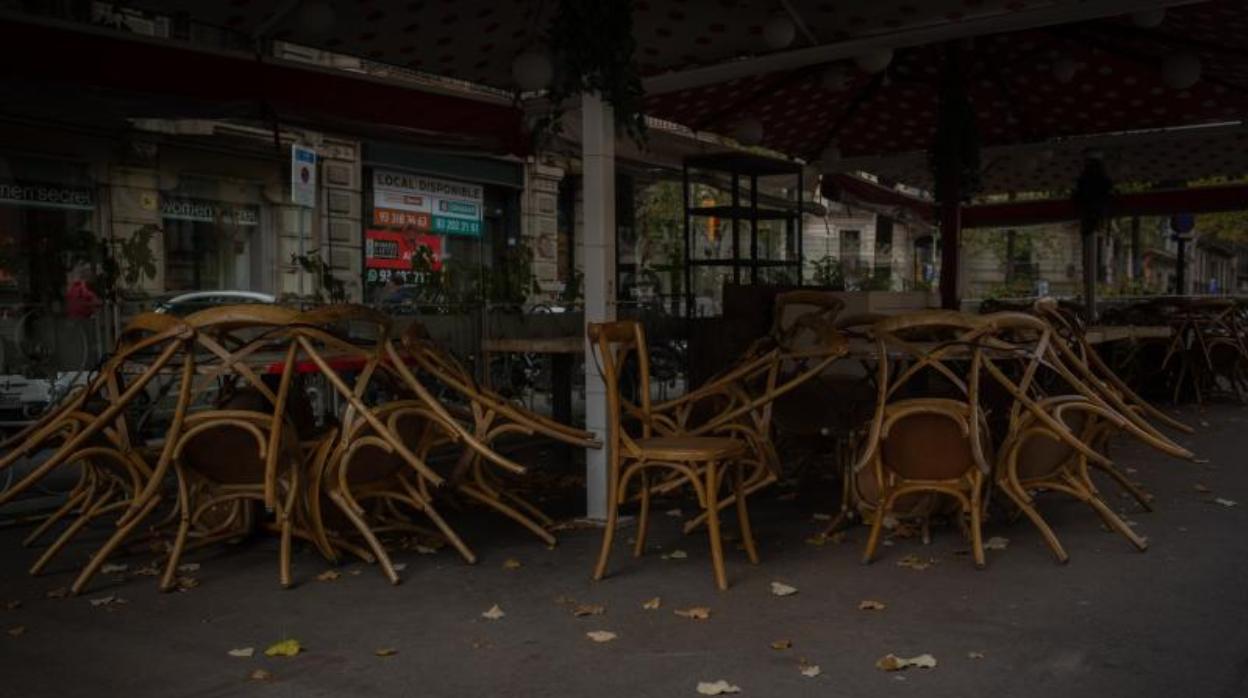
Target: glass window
210 228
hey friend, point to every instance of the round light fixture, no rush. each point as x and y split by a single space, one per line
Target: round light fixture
1148 19
315 17
779 32
532 71
1064 69
1181 70
748 131
875 61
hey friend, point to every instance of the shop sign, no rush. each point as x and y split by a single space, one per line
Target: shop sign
455 208
391 218
389 253
199 211
44 195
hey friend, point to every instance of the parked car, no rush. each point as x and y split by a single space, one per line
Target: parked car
187 303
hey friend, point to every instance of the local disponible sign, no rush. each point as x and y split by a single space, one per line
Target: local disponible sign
441 206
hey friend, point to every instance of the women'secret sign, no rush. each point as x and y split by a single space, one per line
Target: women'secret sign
427 203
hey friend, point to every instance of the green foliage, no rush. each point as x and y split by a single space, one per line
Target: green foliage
829 273
574 290
111 266
327 284
593 47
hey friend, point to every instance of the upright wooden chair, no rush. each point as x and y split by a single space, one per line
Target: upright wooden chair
920 444
635 450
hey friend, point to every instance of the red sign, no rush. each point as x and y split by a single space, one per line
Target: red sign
392 218
393 249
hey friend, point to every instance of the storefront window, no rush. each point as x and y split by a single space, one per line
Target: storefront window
210 228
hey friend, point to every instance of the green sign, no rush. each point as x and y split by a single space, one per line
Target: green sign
456 226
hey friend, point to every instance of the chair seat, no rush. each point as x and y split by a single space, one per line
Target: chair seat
691 448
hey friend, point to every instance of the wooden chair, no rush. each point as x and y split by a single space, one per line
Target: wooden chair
1051 439
488 417
91 430
919 444
705 461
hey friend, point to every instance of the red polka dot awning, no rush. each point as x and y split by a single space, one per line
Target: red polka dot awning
1051 81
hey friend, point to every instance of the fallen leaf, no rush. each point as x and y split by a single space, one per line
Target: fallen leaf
871 605
974 655
511 563
111 568
57 593
243 652
1224 502
675 555
914 562
286 648
1201 488
12 605
817 540
400 566
110 600
996 543
652 604
601 635
781 644
820 517
17 631
151 570
674 512
588 609
355 573
810 671
694 613
891 662
494 613
328 576
386 652
781 589
717 688
186 583
189 567
260 675
425 550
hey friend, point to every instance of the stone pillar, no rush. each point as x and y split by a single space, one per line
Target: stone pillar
540 211
134 203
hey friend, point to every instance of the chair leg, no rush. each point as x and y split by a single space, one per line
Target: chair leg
877 525
643 518
111 544
507 511
383 558
1029 510
712 524
1140 496
284 576
608 532
54 518
1115 522
977 535
743 517
444 528
167 582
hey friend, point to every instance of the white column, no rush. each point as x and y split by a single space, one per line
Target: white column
598 163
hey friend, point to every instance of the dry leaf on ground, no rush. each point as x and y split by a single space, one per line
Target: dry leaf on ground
601 635
243 652
782 589
189 567
974 655
112 568
694 613
150 570
891 662
717 688
820 517
260 675
996 543
494 613
11 605
512 563
915 562
675 555
871 605
1224 502
328 576
110 600
810 671
186 583
425 550
674 512
57 593
652 604
17 630
781 644
386 652
588 609
1202 488
400 566
818 540
286 648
